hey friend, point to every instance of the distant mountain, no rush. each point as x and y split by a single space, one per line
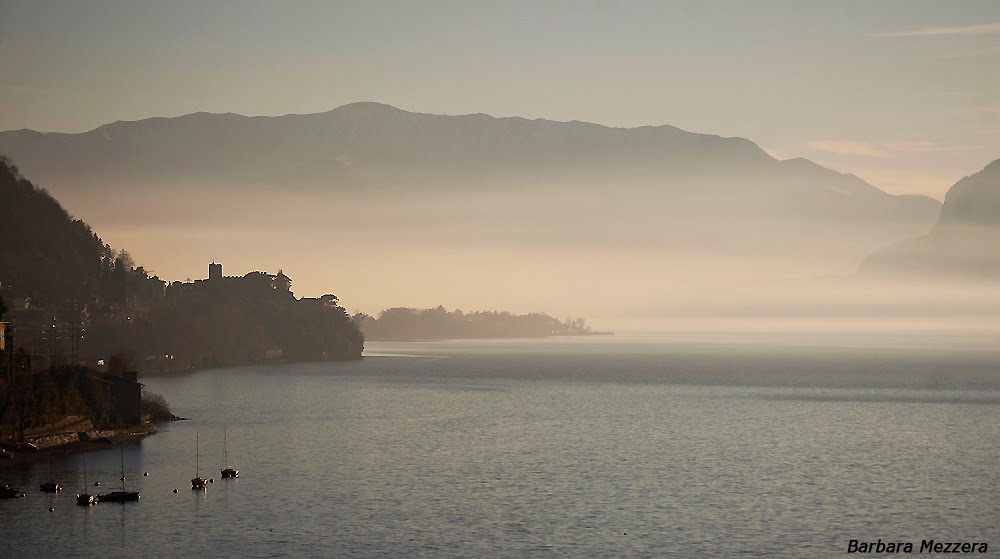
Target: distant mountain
963 244
501 181
370 144
361 143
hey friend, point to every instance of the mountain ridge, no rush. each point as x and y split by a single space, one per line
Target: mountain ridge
370 172
347 132
961 245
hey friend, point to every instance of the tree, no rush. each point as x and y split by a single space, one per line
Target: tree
3 307
282 282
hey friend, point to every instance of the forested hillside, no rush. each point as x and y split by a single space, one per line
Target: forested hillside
74 299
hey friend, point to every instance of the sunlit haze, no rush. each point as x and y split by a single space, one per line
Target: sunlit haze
499 279
904 94
901 94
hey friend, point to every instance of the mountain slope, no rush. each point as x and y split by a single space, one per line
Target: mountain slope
962 245
471 191
372 144
46 254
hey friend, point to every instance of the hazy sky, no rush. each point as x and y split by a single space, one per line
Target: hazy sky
905 94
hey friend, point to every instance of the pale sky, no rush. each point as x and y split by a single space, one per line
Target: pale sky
905 94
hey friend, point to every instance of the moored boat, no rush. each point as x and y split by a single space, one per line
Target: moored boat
227 471
50 486
85 499
197 482
7 493
119 496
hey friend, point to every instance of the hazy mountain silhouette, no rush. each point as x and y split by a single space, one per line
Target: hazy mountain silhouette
375 145
385 183
963 244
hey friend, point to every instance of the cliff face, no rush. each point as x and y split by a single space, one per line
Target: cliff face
962 245
974 201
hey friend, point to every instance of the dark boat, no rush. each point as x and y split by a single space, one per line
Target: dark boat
50 486
197 482
119 496
85 499
228 471
7 493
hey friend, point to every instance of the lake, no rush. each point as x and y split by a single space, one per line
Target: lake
624 446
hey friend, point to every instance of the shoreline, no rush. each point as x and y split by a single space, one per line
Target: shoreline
98 439
456 338
191 370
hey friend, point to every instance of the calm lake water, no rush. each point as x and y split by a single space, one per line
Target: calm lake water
625 446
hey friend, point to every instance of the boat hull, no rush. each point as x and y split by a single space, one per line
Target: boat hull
10 494
118 497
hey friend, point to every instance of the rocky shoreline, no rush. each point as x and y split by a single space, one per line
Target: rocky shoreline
63 444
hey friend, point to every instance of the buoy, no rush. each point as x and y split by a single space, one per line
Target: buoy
145 474
96 483
175 491
123 478
51 509
211 480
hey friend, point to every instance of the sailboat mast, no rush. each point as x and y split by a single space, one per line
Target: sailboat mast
197 466
122 452
225 447
84 472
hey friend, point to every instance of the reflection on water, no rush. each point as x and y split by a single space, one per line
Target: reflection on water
564 448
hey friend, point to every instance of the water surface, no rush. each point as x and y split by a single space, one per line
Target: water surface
580 447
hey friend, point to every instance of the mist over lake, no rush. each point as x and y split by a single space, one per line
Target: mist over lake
482 279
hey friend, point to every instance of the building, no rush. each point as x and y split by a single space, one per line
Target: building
3 335
124 398
214 271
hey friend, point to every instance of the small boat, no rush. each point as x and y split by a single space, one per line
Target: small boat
50 486
197 482
85 499
119 496
227 471
7 493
